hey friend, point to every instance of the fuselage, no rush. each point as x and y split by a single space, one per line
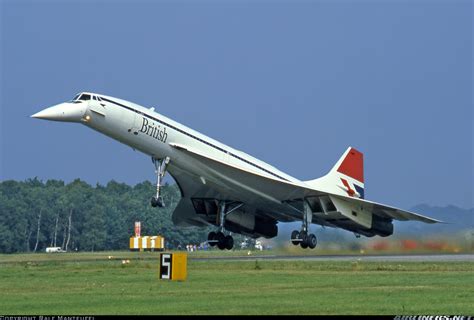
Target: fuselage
152 133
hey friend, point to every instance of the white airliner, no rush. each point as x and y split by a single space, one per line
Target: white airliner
230 189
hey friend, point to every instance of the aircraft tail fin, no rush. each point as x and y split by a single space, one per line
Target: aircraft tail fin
346 177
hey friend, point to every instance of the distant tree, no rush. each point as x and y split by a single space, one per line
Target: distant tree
36 214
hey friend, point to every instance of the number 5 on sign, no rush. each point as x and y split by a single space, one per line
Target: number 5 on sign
165 266
173 266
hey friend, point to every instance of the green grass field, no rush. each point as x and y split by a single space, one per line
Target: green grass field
92 284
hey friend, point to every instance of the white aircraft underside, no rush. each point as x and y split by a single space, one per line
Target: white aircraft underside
227 188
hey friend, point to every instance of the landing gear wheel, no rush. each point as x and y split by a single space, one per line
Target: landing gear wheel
221 241
229 242
295 235
312 241
211 237
157 202
161 203
225 207
304 240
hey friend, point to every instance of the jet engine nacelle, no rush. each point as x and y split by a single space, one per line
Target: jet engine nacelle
382 227
251 225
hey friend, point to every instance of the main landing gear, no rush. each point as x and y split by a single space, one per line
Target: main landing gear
302 237
160 170
219 238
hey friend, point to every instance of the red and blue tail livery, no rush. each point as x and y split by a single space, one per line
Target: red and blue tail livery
353 166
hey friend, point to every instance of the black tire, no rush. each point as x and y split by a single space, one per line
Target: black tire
229 242
160 202
295 235
312 241
221 245
304 240
221 238
211 237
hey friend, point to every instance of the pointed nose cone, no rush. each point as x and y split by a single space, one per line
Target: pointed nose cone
47 114
69 112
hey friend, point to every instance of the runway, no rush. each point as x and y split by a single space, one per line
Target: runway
381 258
118 256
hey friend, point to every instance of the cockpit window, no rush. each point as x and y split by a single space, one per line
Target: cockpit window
93 97
76 97
85 97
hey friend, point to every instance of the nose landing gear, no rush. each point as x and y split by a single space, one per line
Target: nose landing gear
160 170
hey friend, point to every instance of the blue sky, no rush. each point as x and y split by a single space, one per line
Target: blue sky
290 82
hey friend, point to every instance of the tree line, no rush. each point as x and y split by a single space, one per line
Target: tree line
77 216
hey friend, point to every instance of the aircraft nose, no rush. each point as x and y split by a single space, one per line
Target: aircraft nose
69 112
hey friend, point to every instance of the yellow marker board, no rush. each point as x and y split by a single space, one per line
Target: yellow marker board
134 243
147 243
144 243
157 243
173 266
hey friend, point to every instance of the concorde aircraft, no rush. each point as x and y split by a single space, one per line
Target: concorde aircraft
229 189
